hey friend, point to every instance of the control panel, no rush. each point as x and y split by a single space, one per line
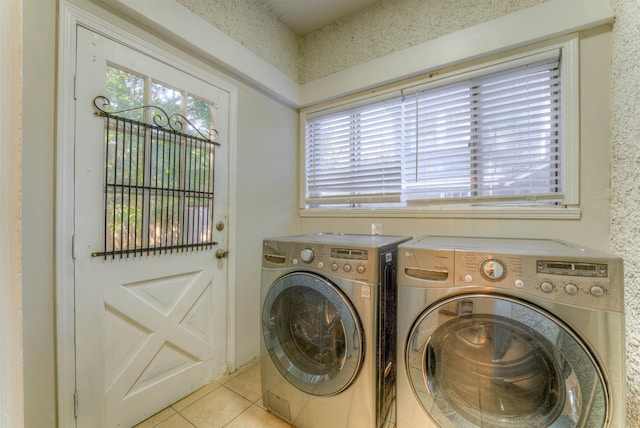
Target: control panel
583 283
351 263
589 281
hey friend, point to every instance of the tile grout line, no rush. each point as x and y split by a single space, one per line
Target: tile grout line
251 403
187 420
221 383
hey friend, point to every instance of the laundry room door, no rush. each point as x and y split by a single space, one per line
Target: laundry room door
149 244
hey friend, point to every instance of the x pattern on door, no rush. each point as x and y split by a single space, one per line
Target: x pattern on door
157 343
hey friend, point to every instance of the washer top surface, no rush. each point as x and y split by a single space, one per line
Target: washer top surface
501 245
370 241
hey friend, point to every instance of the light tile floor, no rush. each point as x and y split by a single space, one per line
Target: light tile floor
232 401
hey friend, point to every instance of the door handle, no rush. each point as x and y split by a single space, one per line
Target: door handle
221 254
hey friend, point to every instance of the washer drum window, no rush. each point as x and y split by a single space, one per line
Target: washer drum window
312 334
493 361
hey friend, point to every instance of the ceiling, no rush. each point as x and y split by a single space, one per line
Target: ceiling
306 16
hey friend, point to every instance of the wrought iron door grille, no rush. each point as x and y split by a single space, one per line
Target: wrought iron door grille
158 191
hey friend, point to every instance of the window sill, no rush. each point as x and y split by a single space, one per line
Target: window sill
530 213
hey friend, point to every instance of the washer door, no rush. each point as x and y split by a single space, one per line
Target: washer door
312 333
494 361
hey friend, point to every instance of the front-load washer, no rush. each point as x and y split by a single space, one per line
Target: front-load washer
328 351
509 333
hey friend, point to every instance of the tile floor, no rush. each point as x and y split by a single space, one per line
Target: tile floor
233 401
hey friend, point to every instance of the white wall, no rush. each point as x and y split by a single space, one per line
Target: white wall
266 202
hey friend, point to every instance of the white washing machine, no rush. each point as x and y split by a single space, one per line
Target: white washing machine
509 333
328 350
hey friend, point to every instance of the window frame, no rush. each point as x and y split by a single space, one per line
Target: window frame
569 136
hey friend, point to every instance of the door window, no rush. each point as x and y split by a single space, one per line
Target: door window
159 160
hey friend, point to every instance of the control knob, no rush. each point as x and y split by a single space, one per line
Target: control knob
307 255
493 269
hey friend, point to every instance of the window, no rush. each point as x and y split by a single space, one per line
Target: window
158 167
497 135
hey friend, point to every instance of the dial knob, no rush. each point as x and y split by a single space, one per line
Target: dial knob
307 255
493 270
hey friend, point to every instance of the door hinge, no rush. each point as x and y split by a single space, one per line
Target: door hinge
75 404
73 247
75 86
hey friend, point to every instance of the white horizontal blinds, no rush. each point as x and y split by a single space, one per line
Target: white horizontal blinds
518 131
353 156
488 139
438 152
489 135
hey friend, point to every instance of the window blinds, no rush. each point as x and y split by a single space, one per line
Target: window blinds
488 138
353 156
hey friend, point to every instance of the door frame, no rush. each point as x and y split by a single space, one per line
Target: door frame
116 28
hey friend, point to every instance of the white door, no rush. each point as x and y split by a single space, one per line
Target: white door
150 325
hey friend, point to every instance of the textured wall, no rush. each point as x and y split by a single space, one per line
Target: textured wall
625 181
393 25
379 30
251 24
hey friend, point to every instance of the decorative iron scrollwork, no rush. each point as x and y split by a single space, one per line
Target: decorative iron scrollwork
174 122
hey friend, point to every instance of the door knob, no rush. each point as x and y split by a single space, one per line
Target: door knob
221 254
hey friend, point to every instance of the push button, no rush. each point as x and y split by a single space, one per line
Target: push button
571 288
547 287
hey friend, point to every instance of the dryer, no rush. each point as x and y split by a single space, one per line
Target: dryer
509 333
328 350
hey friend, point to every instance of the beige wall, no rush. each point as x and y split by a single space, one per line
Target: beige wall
251 24
11 379
383 28
39 78
392 25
